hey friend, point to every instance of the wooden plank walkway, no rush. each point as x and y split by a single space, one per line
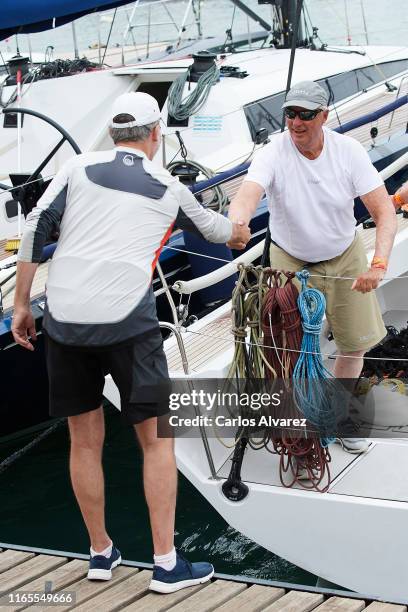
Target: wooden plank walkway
128 591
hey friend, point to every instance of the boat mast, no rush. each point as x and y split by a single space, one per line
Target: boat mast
288 12
284 23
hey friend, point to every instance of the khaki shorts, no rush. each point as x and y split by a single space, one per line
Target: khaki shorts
354 318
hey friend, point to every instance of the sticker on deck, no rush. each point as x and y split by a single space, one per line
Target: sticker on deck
207 124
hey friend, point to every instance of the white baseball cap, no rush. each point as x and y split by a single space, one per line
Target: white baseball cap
141 106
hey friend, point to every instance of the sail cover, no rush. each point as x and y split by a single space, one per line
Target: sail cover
24 16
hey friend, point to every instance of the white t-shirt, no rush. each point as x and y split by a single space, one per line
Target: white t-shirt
311 201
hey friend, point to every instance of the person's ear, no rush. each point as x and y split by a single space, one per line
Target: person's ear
325 115
156 133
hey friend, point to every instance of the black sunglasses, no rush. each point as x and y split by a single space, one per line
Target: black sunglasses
304 115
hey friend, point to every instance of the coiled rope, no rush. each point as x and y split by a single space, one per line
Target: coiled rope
181 109
316 390
263 306
281 324
247 298
220 200
389 358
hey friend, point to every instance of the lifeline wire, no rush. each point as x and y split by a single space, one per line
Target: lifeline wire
281 348
227 261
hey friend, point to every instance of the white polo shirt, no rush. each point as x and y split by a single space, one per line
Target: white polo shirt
311 202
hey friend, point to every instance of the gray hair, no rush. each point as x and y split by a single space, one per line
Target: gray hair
135 134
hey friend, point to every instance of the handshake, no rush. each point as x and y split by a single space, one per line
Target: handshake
240 236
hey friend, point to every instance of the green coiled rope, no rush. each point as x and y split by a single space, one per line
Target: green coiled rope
181 109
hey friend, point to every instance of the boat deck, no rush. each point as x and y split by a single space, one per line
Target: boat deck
28 572
349 474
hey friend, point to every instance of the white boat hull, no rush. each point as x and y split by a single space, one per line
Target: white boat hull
356 542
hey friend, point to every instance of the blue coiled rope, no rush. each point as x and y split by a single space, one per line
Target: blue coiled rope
317 394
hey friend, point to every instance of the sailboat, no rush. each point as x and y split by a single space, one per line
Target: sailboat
354 533
71 113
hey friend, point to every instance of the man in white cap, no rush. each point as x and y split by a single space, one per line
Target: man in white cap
311 176
114 210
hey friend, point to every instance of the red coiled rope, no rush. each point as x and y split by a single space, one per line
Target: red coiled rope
281 323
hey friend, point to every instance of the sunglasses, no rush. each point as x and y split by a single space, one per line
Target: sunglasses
304 115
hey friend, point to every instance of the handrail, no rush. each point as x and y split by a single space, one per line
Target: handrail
166 290
374 116
187 287
176 331
393 168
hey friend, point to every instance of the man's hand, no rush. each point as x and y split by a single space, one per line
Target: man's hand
23 326
240 236
369 280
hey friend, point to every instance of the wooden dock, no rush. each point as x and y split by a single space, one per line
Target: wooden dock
30 572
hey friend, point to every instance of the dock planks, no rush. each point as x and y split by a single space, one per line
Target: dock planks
128 591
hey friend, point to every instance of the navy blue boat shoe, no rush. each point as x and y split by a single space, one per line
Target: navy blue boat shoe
183 575
100 567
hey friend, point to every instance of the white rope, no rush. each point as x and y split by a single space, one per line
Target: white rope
279 348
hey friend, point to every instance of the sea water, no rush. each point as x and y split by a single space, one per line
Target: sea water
38 508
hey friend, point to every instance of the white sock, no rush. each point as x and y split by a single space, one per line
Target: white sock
168 561
106 552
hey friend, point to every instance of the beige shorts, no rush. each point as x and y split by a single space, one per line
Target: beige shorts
354 318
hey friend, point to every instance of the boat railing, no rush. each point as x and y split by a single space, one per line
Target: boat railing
175 329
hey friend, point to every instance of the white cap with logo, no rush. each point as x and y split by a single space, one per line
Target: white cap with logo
141 106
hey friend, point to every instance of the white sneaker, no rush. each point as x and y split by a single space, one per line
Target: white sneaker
354 445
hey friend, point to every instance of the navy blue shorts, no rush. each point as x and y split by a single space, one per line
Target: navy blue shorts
138 367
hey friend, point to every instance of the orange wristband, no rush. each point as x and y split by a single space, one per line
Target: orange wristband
379 262
398 200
